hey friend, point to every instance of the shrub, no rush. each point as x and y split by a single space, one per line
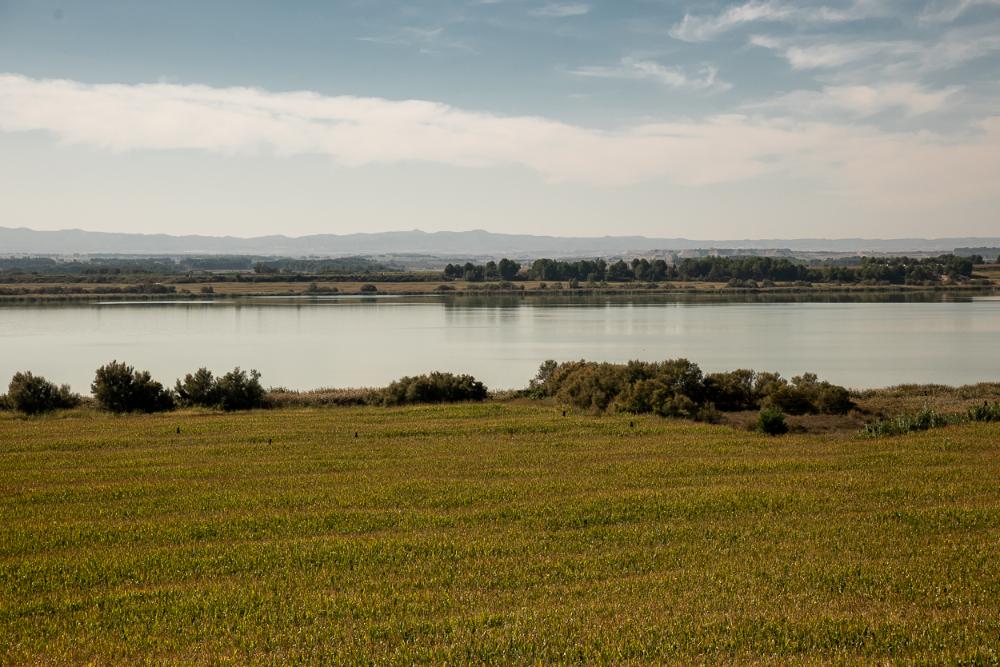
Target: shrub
433 388
587 385
33 394
677 388
238 390
771 421
539 386
922 421
787 398
987 412
708 414
368 288
198 389
732 391
118 387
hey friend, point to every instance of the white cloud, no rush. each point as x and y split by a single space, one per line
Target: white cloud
694 28
861 100
892 57
706 78
901 168
561 10
946 11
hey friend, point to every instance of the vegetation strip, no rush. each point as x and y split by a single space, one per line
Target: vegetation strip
490 532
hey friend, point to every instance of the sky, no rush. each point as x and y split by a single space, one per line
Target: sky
705 120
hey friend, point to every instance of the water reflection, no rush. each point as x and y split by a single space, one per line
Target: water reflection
865 339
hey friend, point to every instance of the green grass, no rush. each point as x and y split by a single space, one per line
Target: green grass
498 533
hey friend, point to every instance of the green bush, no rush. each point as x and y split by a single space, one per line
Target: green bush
987 412
677 388
33 394
238 390
732 391
922 421
198 389
118 387
433 388
771 421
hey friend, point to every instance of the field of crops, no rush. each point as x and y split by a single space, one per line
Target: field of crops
490 533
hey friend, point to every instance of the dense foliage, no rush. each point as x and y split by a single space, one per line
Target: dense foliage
33 394
771 421
678 388
239 390
236 390
431 388
118 387
505 269
198 389
742 270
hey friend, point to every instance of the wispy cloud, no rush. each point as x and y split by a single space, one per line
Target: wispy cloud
705 78
860 101
700 28
894 57
425 39
561 10
895 168
946 11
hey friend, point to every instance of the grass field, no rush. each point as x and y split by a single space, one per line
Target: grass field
499 533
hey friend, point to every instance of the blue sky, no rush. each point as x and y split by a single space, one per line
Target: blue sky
705 120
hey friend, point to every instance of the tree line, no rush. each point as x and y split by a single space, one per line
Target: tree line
892 270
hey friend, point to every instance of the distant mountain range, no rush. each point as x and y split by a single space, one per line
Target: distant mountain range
460 244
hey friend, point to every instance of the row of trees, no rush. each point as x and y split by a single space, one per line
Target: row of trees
505 269
894 270
119 387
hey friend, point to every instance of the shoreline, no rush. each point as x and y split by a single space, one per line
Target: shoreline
328 290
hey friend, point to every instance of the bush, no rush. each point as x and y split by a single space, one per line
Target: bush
198 389
922 421
368 288
732 391
677 388
238 390
771 421
987 412
433 388
118 387
33 394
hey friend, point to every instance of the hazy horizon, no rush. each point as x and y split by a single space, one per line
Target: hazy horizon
758 119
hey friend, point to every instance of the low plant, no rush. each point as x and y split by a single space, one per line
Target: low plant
431 388
922 421
987 412
771 420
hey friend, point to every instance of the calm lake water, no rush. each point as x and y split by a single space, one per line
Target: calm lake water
344 342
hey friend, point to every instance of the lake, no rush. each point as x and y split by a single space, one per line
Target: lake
349 342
